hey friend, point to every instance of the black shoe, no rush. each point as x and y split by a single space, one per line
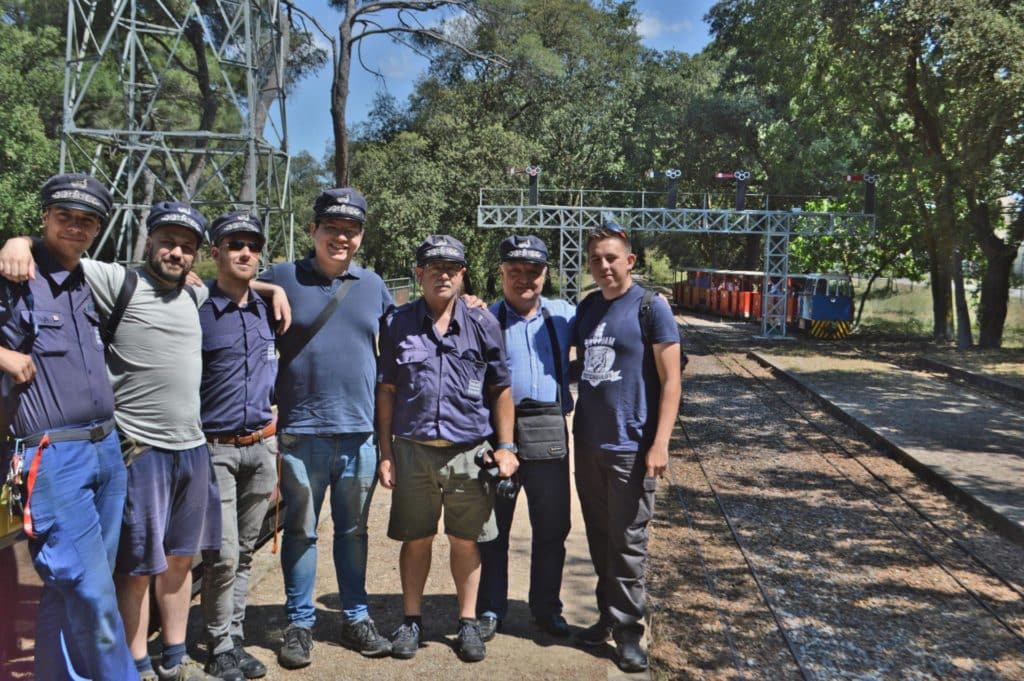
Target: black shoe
553 624
224 666
489 626
469 645
363 636
631 657
250 666
595 634
294 653
405 641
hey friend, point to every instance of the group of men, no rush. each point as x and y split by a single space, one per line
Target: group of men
137 405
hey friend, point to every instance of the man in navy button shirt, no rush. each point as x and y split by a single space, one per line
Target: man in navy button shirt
443 389
239 368
59 407
325 402
535 360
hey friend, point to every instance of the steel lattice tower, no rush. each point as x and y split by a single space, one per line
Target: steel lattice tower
198 113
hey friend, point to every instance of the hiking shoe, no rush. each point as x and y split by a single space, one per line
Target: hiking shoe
363 636
489 626
469 646
250 666
186 670
595 634
405 641
224 666
294 653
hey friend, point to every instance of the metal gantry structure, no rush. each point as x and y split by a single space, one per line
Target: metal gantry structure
218 141
508 209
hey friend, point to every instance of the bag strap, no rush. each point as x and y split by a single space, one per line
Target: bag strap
321 319
131 280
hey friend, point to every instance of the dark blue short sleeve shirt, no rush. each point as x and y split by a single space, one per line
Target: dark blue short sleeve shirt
239 363
327 388
441 383
53 319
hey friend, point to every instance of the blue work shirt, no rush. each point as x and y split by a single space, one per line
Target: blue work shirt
531 358
441 384
327 388
53 319
239 364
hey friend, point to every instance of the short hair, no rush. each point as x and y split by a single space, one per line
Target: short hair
609 230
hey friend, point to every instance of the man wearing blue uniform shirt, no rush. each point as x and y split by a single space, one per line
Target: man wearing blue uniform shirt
59 409
628 402
325 420
443 388
239 368
537 337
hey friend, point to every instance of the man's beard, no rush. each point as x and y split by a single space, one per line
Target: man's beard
156 268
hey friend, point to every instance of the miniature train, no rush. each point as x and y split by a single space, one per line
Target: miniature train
818 304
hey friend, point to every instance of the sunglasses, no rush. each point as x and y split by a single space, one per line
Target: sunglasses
239 244
606 230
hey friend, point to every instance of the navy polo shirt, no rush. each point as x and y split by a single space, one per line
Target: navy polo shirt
441 383
52 318
239 363
327 389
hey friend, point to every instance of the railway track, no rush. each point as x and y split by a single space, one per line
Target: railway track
859 577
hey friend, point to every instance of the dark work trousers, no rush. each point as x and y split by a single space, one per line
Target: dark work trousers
617 500
546 484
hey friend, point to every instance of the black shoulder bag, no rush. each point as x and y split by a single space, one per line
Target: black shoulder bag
540 432
318 323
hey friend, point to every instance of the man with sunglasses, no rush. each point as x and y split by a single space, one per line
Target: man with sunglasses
325 417
239 368
627 405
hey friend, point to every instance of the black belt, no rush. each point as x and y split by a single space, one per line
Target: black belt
93 434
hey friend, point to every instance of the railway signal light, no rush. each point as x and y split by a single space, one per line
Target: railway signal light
742 178
673 175
869 180
533 172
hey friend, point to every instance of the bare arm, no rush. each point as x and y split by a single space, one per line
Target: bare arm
503 420
666 359
16 262
385 407
278 299
18 366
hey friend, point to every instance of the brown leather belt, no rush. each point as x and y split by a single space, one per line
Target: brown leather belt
244 440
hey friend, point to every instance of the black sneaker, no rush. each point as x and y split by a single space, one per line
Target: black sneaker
224 666
363 636
469 646
595 634
405 641
631 657
250 666
295 651
489 626
554 624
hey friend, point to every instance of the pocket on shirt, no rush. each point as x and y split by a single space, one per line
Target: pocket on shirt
218 352
412 370
48 327
470 371
268 341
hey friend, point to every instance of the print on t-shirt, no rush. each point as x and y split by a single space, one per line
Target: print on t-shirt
599 358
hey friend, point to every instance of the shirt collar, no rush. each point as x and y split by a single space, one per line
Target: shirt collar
51 269
221 301
512 311
458 319
354 271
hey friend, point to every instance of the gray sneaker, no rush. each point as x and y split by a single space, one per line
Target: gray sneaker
363 636
186 670
296 648
469 646
405 641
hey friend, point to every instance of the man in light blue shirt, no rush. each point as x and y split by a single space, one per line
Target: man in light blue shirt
537 337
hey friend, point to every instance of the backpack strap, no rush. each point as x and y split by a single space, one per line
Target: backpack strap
647 324
191 291
131 280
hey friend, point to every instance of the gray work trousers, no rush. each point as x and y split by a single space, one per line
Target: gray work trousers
617 500
246 477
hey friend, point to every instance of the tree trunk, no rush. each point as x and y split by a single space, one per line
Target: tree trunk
208 104
941 257
149 183
963 312
995 284
339 97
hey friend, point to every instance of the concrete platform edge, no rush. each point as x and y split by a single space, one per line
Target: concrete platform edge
985 382
976 507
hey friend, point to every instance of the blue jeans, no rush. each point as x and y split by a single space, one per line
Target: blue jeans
77 501
310 464
546 484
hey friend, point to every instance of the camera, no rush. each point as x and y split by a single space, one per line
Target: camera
506 488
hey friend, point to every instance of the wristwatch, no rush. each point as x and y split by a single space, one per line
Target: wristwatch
510 446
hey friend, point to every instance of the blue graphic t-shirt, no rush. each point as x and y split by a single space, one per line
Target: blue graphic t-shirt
619 389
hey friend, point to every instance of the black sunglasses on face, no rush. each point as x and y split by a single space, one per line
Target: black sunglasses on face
239 244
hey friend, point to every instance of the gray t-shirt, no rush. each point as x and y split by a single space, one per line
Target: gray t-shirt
155 362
